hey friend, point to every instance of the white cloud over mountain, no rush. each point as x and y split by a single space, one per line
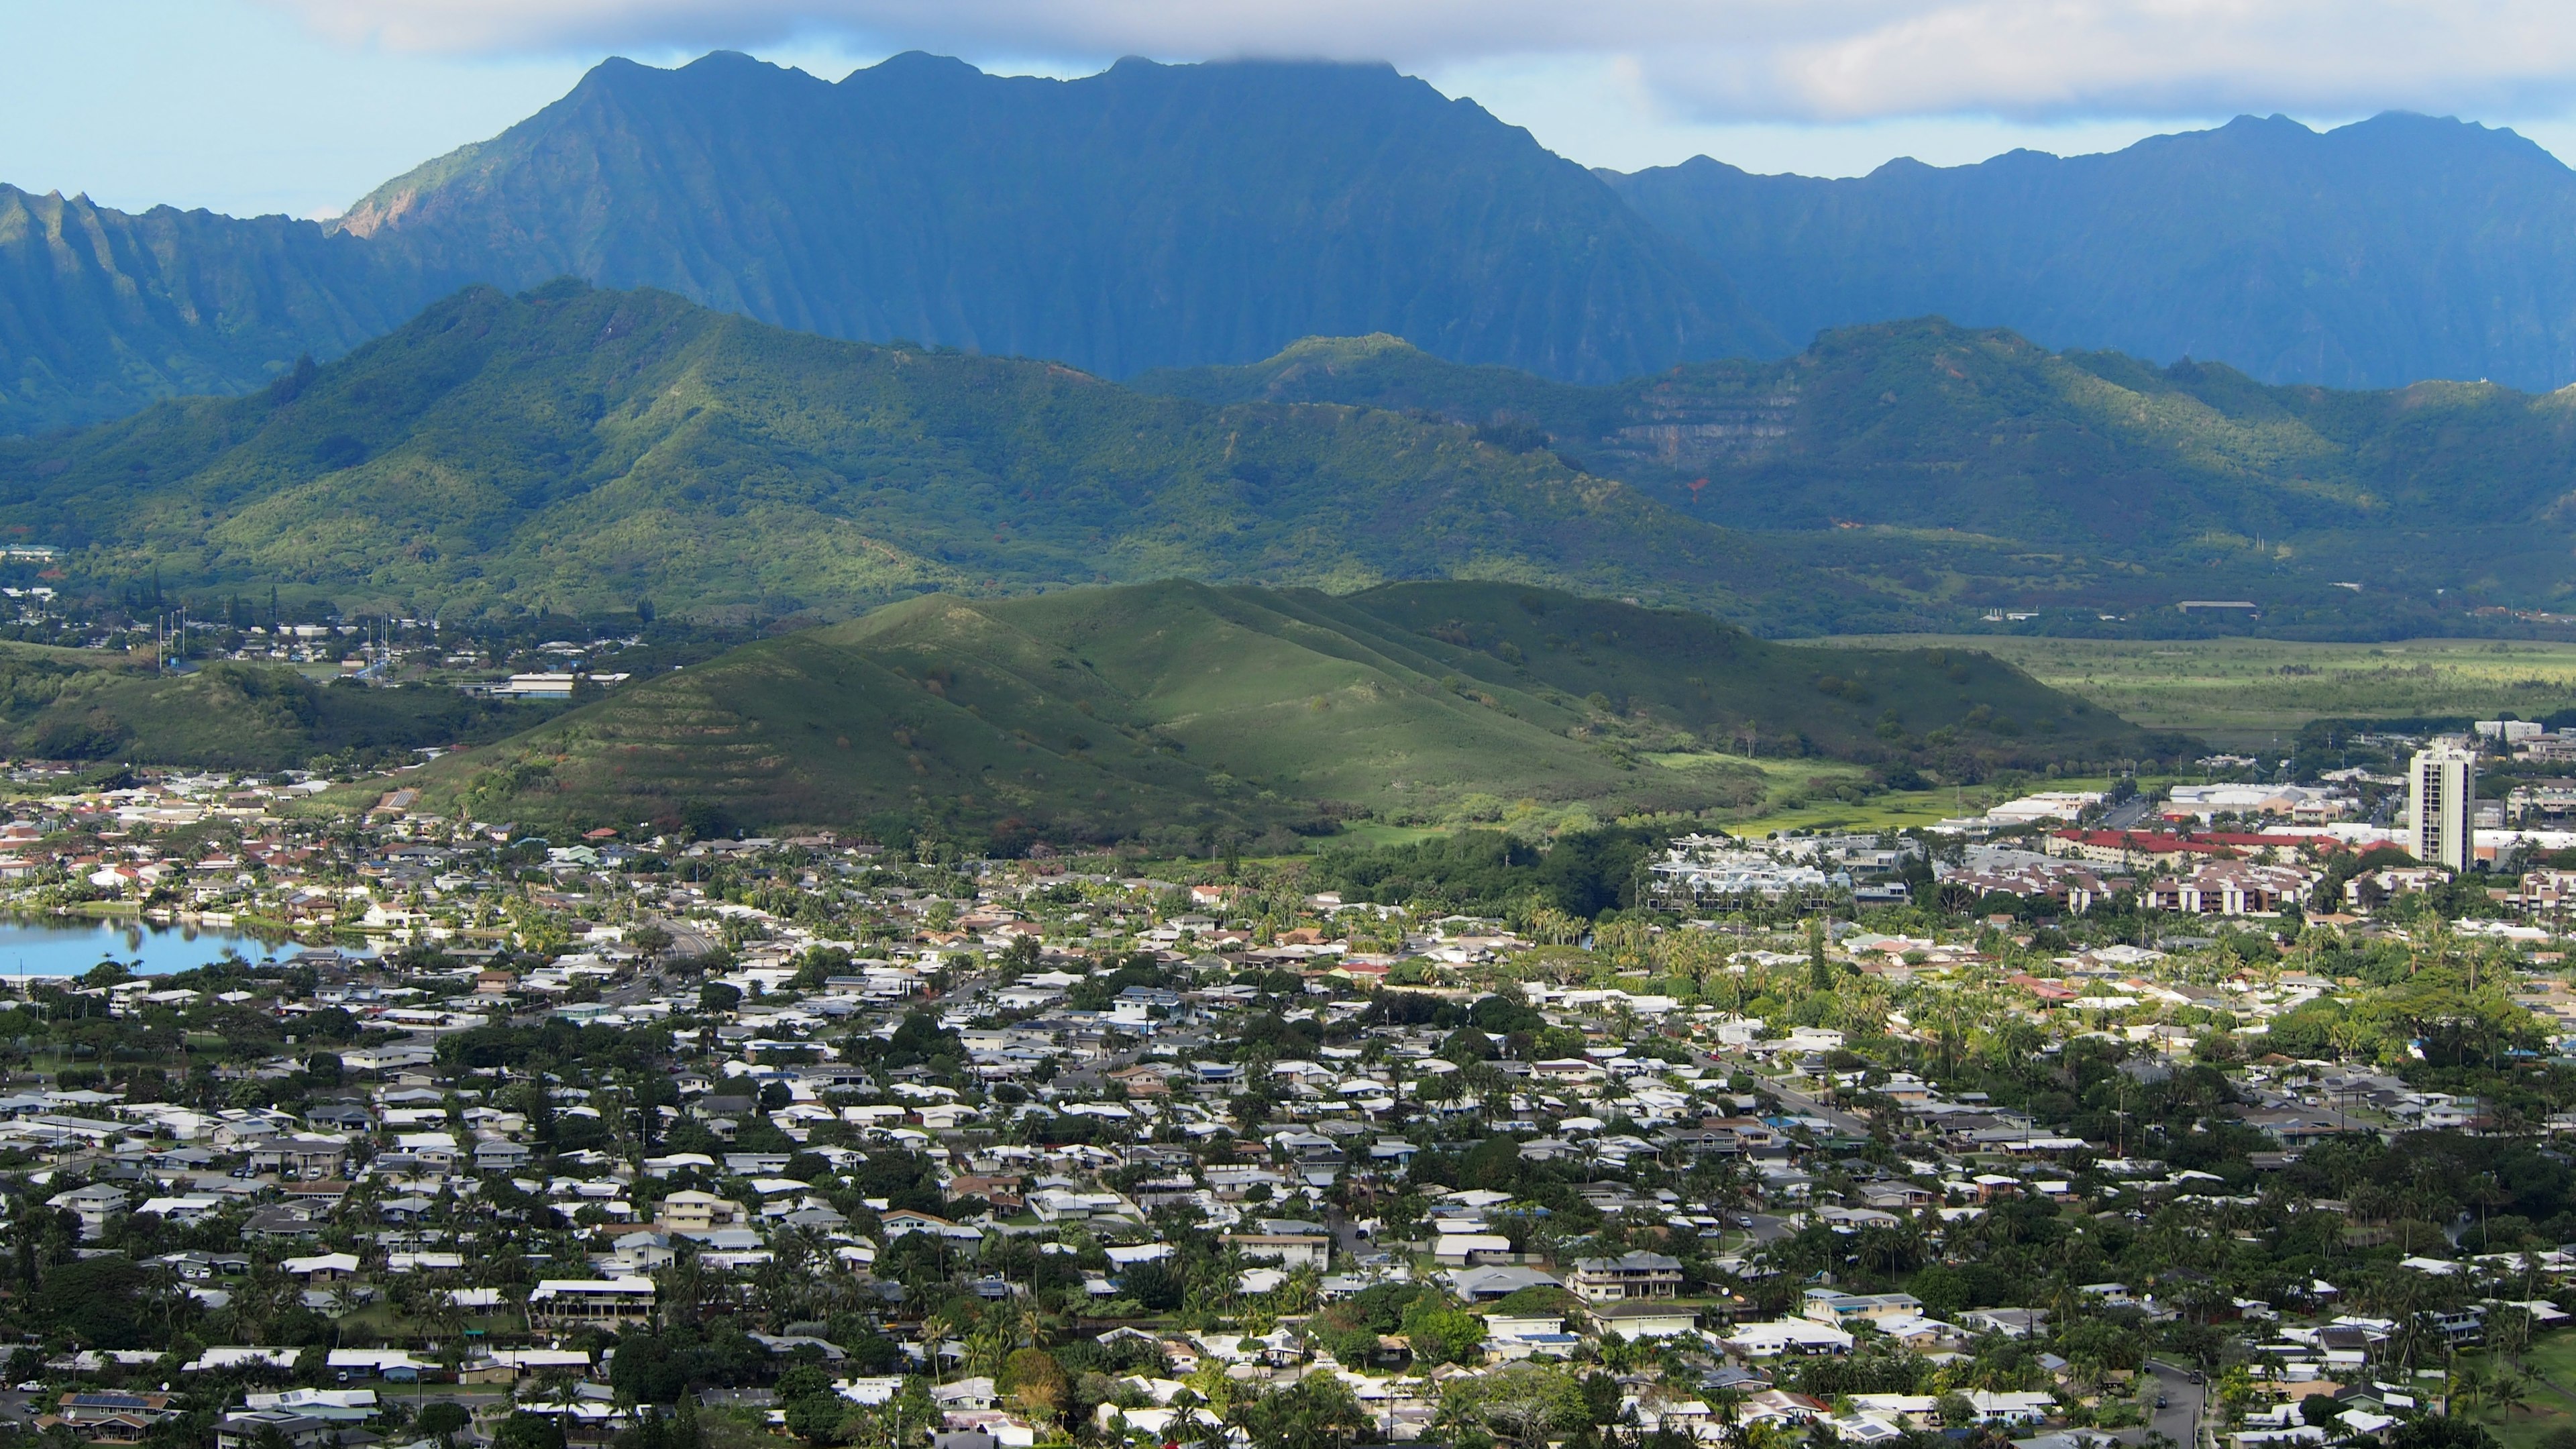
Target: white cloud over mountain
1798 60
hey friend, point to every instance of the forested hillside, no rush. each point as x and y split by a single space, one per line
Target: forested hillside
581 450
1949 464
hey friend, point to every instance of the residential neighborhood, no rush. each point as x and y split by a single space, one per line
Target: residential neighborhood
2043 1127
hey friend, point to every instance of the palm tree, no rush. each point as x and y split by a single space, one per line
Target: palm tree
2510 1390
2469 1389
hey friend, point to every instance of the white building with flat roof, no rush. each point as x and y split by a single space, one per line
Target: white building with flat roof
2442 798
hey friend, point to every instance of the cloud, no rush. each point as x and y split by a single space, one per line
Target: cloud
1797 60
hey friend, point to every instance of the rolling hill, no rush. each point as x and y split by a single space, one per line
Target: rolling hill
85 705
579 450
1175 711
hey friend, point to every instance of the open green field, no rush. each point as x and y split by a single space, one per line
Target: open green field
1801 795
1376 835
2248 692
2551 1401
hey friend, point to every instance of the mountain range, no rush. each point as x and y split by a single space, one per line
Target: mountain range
580 450
1176 216
2389 251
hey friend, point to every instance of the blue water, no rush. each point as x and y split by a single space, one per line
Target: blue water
67 946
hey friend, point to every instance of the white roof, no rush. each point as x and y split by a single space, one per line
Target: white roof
568 1287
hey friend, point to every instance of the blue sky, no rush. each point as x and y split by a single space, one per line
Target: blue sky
300 106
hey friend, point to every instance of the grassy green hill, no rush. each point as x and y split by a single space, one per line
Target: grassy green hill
578 450
1174 710
1971 468
72 704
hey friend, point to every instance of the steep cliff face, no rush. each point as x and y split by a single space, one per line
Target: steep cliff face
1148 216
102 311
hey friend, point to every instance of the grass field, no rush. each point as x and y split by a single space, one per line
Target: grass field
2552 1402
2241 693
1801 796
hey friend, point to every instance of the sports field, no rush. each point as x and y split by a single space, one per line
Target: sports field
2240 693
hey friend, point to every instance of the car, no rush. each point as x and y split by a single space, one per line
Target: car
32 1386
2160 1401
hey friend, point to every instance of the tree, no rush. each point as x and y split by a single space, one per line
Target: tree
1316 1412
529 1431
2447 1431
1441 1333
816 1418
1033 1378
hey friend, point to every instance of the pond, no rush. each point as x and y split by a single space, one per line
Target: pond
70 945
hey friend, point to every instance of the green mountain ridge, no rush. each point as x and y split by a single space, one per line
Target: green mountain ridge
103 311
1940 462
1173 216
1174 711
578 450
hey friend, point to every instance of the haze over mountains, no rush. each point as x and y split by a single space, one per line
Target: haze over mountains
1173 216
2374 255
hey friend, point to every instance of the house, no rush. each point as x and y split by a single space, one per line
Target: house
339 1117
1644 1318
325 1268
106 1417
906 1220
309 1158
1289 1250
385 1363
93 1205
1786 1335
1464 1248
1490 1284
1630 1275
692 1211
1824 1305
497 1155
245 1428
563 1302
1142 1080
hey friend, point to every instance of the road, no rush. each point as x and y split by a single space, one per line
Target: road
1800 1104
2128 814
2179 1419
